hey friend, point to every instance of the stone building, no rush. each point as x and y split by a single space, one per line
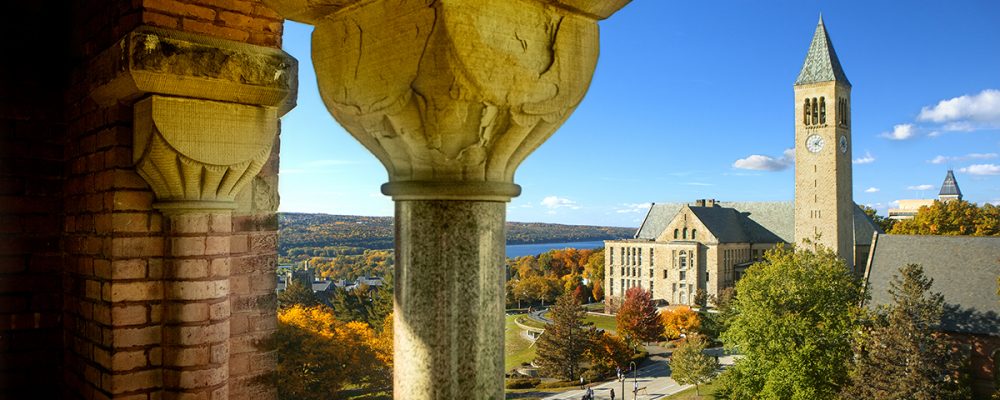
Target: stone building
139 173
707 245
909 208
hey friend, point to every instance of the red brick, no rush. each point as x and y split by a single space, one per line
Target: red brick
128 315
242 6
128 382
213 30
235 20
186 312
177 8
131 200
128 269
136 247
133 291
130 337
128 179
265 11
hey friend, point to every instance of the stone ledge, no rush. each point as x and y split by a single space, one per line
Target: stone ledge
162 61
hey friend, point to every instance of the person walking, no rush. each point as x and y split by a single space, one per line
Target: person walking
612 393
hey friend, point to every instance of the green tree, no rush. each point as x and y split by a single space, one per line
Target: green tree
297 293
899 355
353 305
562 346
885 223
792 322
689 365
638 320
382 302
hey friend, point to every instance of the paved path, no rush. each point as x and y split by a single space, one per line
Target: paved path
654 381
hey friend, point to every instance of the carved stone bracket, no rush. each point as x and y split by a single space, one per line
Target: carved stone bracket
451 96
198 151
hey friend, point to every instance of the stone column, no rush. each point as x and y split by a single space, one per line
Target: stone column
204 125
451 96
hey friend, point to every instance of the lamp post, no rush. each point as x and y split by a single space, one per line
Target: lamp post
635 382
621 377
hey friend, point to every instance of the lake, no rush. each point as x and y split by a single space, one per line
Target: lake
534 249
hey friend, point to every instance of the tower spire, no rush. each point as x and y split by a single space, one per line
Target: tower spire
822 64
949 189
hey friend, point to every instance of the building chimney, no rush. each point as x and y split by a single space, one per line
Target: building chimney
710 203
699 203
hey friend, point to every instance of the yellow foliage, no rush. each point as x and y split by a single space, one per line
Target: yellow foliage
318 354
680 320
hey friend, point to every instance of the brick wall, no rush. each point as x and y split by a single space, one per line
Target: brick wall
32 78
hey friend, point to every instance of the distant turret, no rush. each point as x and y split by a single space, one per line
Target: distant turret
949 189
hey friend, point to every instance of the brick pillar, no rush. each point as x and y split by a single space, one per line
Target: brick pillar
451 96
196 303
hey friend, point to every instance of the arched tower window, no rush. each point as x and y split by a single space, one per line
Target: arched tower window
685 233
822 110
806 112
815 111
694 234
676 232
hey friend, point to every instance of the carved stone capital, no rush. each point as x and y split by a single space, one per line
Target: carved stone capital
167 62
452 95
198 154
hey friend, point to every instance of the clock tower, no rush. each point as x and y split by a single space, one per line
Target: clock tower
824 207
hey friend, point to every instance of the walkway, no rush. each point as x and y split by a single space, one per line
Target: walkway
654 380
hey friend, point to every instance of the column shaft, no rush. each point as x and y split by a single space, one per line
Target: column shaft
449 309
196 305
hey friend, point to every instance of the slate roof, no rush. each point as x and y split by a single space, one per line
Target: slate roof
822 64
742 222
964 270
950 186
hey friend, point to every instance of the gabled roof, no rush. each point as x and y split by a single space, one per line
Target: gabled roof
864 227
950 186
964 270
822 64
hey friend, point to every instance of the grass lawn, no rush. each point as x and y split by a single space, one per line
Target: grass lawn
516 347
605 322
527 321
707 392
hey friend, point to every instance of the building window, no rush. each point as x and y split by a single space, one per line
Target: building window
706 277
683 275
676 231
622 253
664 274
683 261
685 233
639 255
822 110
652 262
623 271
650 272
611 252
694 234
806 112
815 111
611 287
650 286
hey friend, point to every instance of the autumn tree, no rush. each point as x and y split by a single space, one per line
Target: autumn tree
297 293
956 217
679 321
637 317
689 365
562 346
899 355
608 353
313 348
352 304
792 321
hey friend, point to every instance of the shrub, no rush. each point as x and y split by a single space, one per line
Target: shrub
521 383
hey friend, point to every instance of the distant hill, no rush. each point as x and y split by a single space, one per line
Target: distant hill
329 235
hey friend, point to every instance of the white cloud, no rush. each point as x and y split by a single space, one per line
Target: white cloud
554 202
900 132
981 169
970 156
921 187
965 112
633 208
867 159
871 190
759 162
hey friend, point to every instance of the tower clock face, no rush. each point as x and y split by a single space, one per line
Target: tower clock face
814 143
843 144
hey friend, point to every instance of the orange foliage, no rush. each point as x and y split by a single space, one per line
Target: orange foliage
680 320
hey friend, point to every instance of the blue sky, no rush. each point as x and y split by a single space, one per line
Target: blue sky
694 100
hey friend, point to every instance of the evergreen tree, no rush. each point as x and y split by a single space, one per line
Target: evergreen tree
899 355
637 317
297 293
353 305
689 365
382 302
561 347
792 321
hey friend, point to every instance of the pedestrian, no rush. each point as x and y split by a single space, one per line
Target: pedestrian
612 393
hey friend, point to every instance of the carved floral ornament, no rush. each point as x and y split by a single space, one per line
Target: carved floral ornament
452 95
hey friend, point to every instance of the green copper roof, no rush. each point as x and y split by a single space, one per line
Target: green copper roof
821 63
